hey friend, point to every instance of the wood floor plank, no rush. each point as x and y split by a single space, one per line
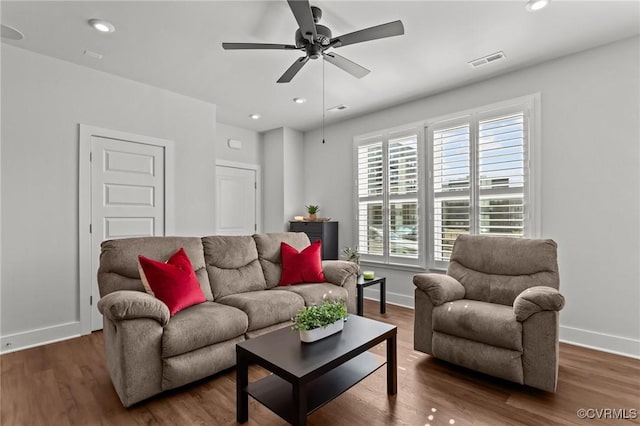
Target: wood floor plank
67 383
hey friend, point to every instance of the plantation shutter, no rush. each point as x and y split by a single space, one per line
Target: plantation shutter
479 178
451 187
370 198
403 197
388 197
501 175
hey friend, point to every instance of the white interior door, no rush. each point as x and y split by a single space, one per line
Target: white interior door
127 197
236 193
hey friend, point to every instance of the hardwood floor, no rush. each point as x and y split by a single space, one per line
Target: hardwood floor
67 383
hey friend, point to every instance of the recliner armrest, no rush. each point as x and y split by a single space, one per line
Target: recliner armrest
537 299
126 304
338 271
440 288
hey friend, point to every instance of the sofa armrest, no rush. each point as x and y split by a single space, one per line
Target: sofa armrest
338 271
127 304
537 299
440 288
344 274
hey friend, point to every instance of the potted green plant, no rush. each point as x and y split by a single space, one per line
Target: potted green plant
352 255
312 209
318 321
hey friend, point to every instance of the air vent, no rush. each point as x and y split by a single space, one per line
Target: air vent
338 108
93 55
487 59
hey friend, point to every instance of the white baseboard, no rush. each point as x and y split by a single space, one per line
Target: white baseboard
38 337
392 298
599 341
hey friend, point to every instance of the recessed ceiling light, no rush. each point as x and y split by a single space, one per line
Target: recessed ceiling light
533 5
255 116
299 100
102 25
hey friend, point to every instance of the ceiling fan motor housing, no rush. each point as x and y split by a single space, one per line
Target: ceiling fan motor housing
323 37
314 39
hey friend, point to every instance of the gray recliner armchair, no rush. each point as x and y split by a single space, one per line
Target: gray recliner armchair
495 311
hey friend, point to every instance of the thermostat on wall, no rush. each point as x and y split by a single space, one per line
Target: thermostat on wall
234 144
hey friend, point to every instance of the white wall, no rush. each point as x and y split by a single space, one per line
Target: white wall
590 170
272 180
43 101
283 177
294 175
251 151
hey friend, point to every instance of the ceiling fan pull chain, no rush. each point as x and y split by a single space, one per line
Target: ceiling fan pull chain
323 109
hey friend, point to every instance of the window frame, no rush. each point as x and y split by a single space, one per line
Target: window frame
530 107
384 136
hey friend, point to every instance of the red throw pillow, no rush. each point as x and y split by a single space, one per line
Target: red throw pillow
301 267
174 282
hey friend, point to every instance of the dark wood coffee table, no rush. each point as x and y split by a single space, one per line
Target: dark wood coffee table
308 375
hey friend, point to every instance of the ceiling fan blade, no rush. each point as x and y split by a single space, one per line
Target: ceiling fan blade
293 70
302 12
233 46
389 29
347 65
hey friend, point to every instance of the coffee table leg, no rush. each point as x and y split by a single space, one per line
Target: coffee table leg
360 300
299 404
392 366
383 296
242 380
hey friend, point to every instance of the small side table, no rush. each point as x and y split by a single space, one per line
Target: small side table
362 283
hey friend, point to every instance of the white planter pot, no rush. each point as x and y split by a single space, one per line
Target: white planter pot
321 332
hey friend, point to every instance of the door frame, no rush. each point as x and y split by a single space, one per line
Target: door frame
246 166
85 133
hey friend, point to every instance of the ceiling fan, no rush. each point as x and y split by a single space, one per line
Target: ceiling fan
315 39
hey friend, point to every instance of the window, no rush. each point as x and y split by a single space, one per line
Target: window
388 196
480 180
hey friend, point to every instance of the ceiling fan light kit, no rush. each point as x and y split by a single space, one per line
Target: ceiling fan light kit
315 39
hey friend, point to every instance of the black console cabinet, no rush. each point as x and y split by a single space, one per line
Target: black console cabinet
327 232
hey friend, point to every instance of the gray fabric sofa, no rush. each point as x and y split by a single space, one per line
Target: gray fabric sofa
496 309
148 351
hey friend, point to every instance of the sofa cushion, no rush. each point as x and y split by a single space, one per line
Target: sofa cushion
232 264
173 282
488 323
488 359
304 266
202 325
315 294
497 269
119 261
265 308
256 333
268 246
188 367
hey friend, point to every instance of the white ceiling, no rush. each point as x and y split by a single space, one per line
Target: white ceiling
177 45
